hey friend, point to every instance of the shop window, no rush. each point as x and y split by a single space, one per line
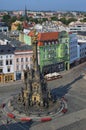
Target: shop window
0 79
6 79
11 77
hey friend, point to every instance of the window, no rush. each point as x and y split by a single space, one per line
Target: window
6 62
1 63
10 62
45 43
53 42
31 58
26 59
6 78
49 43
1 57
8 69
21 59
21 67
17 67
11 77
17 60
9 50
1 70
26 66
49 56
59 66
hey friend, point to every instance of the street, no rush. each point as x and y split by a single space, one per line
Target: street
72 86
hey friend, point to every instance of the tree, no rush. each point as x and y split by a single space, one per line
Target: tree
67 21
54 18
6 18
13 19
19 27
84 20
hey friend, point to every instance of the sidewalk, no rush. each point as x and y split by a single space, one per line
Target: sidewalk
73 69
11 83
62 73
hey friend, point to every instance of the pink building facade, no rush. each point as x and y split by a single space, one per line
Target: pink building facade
22 60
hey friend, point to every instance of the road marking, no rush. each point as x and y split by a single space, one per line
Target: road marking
62 121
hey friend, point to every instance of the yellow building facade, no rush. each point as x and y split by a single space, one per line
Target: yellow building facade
15 25
4 78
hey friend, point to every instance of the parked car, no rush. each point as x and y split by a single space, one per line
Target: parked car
53 76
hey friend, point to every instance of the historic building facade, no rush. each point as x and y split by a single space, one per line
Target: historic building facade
63 49
73 49
6 63
22 60
48 53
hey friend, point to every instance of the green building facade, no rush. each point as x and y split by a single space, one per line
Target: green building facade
24 38
27 39
63 48
54 55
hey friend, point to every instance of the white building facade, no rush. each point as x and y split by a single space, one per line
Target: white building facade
6 63
73 48
82 49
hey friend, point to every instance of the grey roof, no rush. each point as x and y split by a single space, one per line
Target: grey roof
15 43
19 46
24 48
6 49
3 24
3 36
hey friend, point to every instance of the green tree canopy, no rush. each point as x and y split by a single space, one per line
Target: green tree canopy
54 18
67 21
19 27
6 18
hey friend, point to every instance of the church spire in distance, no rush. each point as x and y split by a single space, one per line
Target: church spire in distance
26 17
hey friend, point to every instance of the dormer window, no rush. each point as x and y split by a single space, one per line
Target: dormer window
9 50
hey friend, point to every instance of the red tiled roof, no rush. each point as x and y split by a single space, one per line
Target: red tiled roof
31 33
40 43
25 24
47 36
